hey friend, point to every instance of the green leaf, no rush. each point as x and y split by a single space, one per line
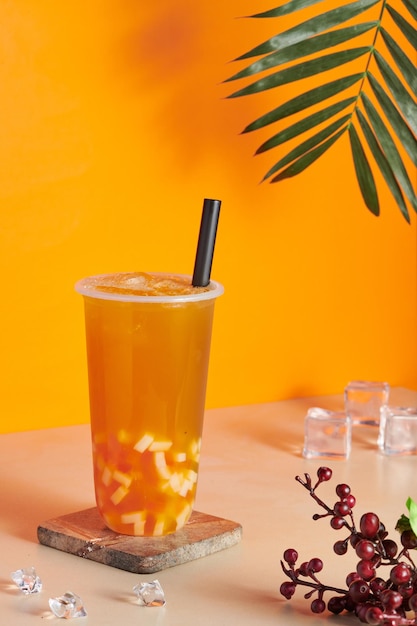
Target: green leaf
302 70
410 7
363 172
383 165
412 508
408 523
304 48
406 28
406 67
305 100
307 145
288 8
401 129
306 160
305 124
323 42
403 524
401 95
311 27
390 150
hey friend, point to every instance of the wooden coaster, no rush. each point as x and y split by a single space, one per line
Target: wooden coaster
84 534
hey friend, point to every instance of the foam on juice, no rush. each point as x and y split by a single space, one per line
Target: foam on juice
144 284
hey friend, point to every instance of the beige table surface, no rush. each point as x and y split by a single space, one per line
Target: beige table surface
250 457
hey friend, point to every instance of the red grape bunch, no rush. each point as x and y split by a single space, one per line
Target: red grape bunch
376 600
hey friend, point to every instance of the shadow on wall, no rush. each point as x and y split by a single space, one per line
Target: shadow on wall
170 60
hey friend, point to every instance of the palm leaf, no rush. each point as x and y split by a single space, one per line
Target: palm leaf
311 27
390 150
307 159
305 100
303 70
307 145
306 123
304 48
404 64
364 173
383 164
410 7
398 124
404 101
406 28
288 8
306 51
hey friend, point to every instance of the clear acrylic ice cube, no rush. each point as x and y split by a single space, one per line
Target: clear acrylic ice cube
327 434
364 399
398 430
27 580
150 593
67 606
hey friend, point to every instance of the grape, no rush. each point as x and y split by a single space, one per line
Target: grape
350 500
324 474
290 556
303 569
365 549
374 615
318 605
369 525
413 603
377 585
400 573
351 577
287 589
354 540
336 604
315 565
390 548
365 569
406 590
342 490
376 560
391 599
340 547
361 610
408 539
337 522
359 590
349 604
341 509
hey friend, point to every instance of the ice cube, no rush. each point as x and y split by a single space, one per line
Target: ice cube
67 606
27 580
150 594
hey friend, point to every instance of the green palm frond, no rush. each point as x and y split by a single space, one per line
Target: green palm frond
379 102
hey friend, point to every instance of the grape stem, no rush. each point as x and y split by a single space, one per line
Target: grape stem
318 586
307 484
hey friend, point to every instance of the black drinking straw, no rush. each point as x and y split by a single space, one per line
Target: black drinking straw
206 241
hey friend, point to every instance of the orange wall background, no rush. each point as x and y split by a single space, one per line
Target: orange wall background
114 127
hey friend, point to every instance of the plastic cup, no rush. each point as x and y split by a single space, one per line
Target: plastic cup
148 359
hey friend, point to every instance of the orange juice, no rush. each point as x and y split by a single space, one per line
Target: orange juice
148 344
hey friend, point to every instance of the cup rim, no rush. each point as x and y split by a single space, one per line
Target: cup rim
85 287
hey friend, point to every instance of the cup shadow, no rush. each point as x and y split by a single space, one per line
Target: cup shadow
26 504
